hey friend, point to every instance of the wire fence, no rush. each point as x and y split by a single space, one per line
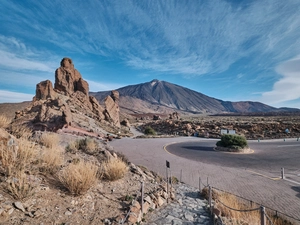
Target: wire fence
268 216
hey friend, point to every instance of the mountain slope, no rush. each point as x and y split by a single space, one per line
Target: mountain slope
164 97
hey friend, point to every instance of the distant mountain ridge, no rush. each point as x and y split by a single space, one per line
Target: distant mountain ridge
164 97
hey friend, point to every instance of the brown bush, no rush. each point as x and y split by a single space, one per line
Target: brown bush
21 131
52 159
17 158
50 140
4 121
79 178
20 186
113 169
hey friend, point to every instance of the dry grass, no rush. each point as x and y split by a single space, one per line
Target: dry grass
50 140
236 217
4 121
79 178
252 217
17 158
52 159
21 131
73 146
88 145
20 187
113 169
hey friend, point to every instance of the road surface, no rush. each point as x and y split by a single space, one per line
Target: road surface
258 183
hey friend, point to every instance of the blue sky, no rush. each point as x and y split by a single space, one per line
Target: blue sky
230 50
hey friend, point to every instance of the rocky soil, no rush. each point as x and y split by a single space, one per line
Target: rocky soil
107 202
252 127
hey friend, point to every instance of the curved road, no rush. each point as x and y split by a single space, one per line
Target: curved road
251 176
267 156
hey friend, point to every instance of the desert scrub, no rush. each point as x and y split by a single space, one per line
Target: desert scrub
51 159
4 121
88 145
20 186
232 141
49 139
149 131
73 146
15 158
21 131
113 169
79 178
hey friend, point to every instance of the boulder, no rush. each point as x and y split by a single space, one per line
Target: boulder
125 123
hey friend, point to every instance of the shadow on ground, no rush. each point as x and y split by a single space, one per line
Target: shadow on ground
199 148
297 188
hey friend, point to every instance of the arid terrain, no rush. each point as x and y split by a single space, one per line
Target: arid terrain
252 127
57 166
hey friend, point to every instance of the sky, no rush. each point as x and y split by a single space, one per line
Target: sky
233 50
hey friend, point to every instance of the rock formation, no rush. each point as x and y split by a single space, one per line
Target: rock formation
68 80
44 90
174 116
69 103
112 108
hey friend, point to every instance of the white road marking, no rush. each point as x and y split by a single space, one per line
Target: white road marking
280 146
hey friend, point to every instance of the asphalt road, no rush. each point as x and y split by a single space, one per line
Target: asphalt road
267 156
253 176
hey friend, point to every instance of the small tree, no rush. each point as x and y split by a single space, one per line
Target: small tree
150 131
232 141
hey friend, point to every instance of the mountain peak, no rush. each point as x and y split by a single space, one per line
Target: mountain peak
154 82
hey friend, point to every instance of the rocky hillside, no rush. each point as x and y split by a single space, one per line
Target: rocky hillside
164 97
68 107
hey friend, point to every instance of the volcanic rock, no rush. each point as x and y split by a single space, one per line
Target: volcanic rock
112 110
68 80
44 90
69 105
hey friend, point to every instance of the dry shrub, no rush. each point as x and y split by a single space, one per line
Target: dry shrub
20 186
15 158
88 145
79 178
52 159
4 121
113 169
251 217
21 131
49 140
73 146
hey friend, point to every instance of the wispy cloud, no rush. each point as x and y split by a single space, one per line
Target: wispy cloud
287 87
9 96
97 86
150 35
15 55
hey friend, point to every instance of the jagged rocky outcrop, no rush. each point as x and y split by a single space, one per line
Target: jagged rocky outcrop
68 104
112 108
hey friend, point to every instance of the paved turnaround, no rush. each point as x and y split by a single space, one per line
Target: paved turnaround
260 185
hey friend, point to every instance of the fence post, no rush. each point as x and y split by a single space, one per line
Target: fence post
180 175
142 200
200 185
207 181
171 184
210 199
167 185
282 173
262 216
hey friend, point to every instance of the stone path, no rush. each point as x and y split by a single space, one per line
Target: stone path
188 209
